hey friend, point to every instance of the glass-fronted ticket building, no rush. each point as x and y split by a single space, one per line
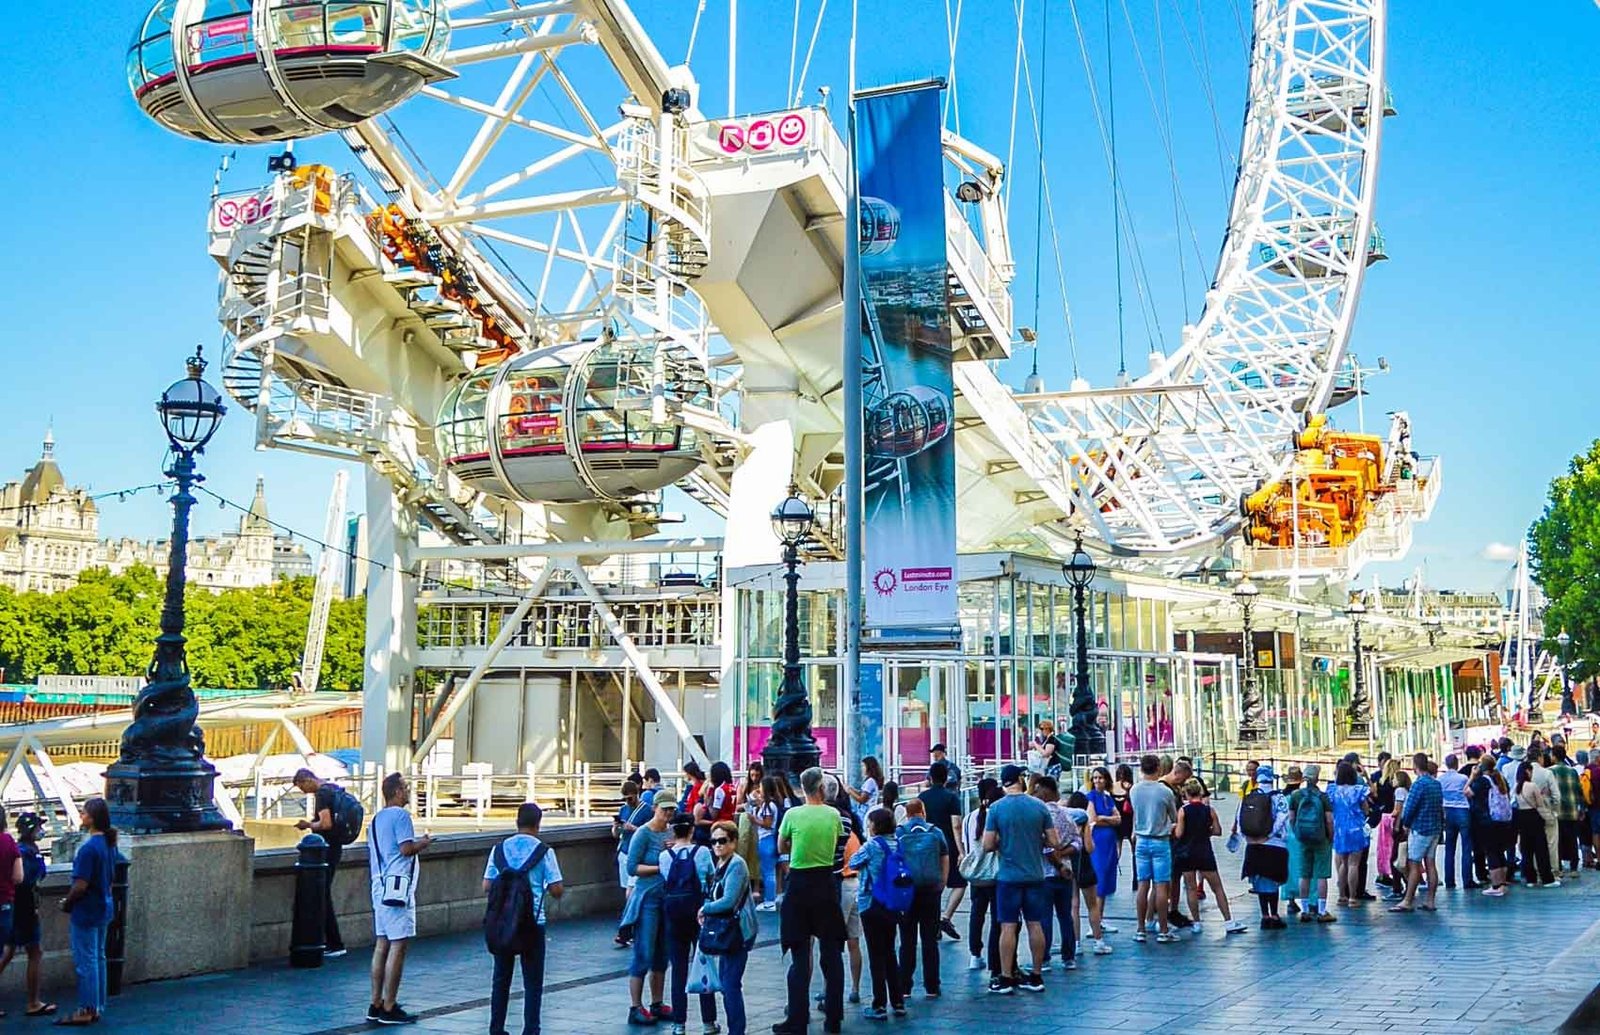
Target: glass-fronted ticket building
983 697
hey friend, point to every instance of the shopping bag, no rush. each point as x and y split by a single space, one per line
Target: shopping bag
703 975
1235 842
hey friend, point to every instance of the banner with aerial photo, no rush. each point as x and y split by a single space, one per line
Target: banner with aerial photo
908 397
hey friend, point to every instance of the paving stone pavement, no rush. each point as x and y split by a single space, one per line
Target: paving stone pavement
1462 969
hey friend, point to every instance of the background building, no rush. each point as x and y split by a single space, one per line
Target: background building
50 534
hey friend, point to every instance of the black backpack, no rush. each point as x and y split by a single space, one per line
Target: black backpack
1255 815
684 892
348 816
509 919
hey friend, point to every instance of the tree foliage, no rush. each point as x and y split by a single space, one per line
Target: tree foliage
1564 549
239 638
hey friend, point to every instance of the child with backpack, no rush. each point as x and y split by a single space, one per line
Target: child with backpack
884 896
686 869
522 876
1263 821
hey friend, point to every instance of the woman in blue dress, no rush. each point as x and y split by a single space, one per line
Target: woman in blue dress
1349 796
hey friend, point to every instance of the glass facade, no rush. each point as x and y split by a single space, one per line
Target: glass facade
1014 668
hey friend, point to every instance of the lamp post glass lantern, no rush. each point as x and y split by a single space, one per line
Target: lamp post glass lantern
1088 737
792 749
161 782
1360 711
1253 717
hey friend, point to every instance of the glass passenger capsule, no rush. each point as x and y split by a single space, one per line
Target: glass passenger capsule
570 424
251 71
907 422
880 226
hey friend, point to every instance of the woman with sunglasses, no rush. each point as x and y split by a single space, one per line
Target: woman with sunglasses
728 893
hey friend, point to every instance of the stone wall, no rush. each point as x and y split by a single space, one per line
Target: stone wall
450 894
450 898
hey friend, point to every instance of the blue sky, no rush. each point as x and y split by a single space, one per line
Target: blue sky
1487 311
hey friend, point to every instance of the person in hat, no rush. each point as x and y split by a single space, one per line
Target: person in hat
25 924
1266 859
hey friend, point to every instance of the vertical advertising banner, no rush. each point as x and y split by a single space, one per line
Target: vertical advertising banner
908 397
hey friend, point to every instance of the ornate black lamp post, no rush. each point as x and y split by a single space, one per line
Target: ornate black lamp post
1253 717
1360 707
1090 738
792 749
162 782
1568 705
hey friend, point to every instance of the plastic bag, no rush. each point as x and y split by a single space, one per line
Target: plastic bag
1235 842
704 976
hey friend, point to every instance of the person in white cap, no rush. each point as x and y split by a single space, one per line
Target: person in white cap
1262 820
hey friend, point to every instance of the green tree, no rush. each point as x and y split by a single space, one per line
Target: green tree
237 638
1564 549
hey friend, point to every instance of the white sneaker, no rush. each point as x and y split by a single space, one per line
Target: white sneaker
1044 968
975 963
1108 927
1139 936
767 907
1101 948
1197 927
1166 937
711 1028
1235 927
1554 884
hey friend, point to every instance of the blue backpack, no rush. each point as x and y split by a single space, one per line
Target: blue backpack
893 888
920 844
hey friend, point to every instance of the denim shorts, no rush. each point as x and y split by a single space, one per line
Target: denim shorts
1419 847
1012 900
1152 859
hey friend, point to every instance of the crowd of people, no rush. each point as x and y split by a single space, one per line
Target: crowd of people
865 880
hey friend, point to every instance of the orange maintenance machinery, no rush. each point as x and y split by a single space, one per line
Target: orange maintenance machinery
1337 479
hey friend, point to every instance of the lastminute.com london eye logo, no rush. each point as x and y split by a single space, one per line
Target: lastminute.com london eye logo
884 582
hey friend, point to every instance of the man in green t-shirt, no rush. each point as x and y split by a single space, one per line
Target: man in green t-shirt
811 909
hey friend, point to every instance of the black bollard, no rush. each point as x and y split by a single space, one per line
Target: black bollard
117 930
310 902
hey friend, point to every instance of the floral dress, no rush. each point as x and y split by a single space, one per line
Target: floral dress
1349 817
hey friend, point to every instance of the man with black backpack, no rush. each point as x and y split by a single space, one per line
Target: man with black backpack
522 876
336 816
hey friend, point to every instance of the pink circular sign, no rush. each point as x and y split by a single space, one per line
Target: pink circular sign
791 129
761 135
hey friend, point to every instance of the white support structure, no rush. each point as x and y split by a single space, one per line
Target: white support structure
572 180
641 664
458 700
330 572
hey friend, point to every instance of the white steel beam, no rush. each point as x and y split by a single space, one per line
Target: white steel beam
458 700
641 664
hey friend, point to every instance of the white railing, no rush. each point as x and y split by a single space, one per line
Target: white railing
305 407
573 624
965 245
683 318
685 198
